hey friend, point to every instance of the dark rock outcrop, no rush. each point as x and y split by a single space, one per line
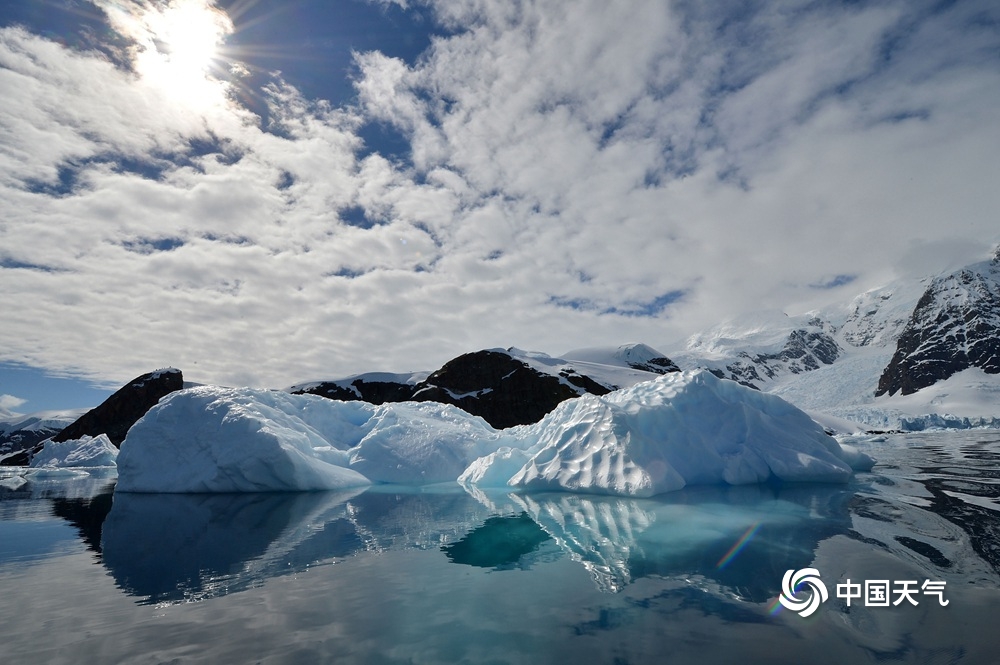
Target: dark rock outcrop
119 412
955 326
374 392
501 389
661 365
497 385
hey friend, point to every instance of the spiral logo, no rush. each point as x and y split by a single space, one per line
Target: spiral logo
792 580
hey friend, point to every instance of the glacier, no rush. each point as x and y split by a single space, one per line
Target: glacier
656 436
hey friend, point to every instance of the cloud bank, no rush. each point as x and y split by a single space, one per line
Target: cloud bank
577 173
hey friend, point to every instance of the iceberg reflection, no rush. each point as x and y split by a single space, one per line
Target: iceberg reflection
173 547
741 538
166 548
500 543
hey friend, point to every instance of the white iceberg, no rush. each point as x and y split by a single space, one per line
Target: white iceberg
85 452
654 437
680 429
211 439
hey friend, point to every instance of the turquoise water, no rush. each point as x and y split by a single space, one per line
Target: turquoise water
438 574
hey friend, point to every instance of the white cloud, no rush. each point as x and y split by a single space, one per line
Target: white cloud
574 164
8 403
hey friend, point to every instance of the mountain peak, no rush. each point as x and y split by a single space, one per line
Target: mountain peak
635 356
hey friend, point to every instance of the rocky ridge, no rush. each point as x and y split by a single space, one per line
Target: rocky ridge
119 412
954 326
505 387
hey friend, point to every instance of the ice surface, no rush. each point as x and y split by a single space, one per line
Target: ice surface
845 392
88 451
677 430
212 439
657 436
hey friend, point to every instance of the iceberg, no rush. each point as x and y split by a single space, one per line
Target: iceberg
212 439
657 436
85 452
680 429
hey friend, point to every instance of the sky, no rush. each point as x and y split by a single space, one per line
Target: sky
263 193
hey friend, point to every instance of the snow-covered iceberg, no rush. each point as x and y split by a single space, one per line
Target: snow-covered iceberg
85 452
657 436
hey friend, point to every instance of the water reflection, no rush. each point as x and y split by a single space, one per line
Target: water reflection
172 547
934 502
742 538
168 548
500 543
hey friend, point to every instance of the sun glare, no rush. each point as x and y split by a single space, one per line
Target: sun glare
177 46
189 36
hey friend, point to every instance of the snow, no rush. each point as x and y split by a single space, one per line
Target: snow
656 436
850 381
153 376
612 366
618 356
56 420
755 333
842 397
87 451
162 371
970 393
543 363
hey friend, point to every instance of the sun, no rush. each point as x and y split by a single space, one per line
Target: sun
188 36
176 46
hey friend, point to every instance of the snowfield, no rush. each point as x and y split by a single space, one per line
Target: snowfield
653 437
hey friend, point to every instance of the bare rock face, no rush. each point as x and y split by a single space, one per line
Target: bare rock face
955 326
497 385
501 389
363 389
119 412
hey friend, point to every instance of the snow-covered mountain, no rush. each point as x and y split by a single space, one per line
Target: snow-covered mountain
20 433
955 326
758 349
910 354
631 356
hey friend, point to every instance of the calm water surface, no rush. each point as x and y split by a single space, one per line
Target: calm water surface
434 575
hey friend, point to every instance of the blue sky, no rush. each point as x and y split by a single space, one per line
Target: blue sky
30 389
262 192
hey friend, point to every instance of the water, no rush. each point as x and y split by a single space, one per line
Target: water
428 575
